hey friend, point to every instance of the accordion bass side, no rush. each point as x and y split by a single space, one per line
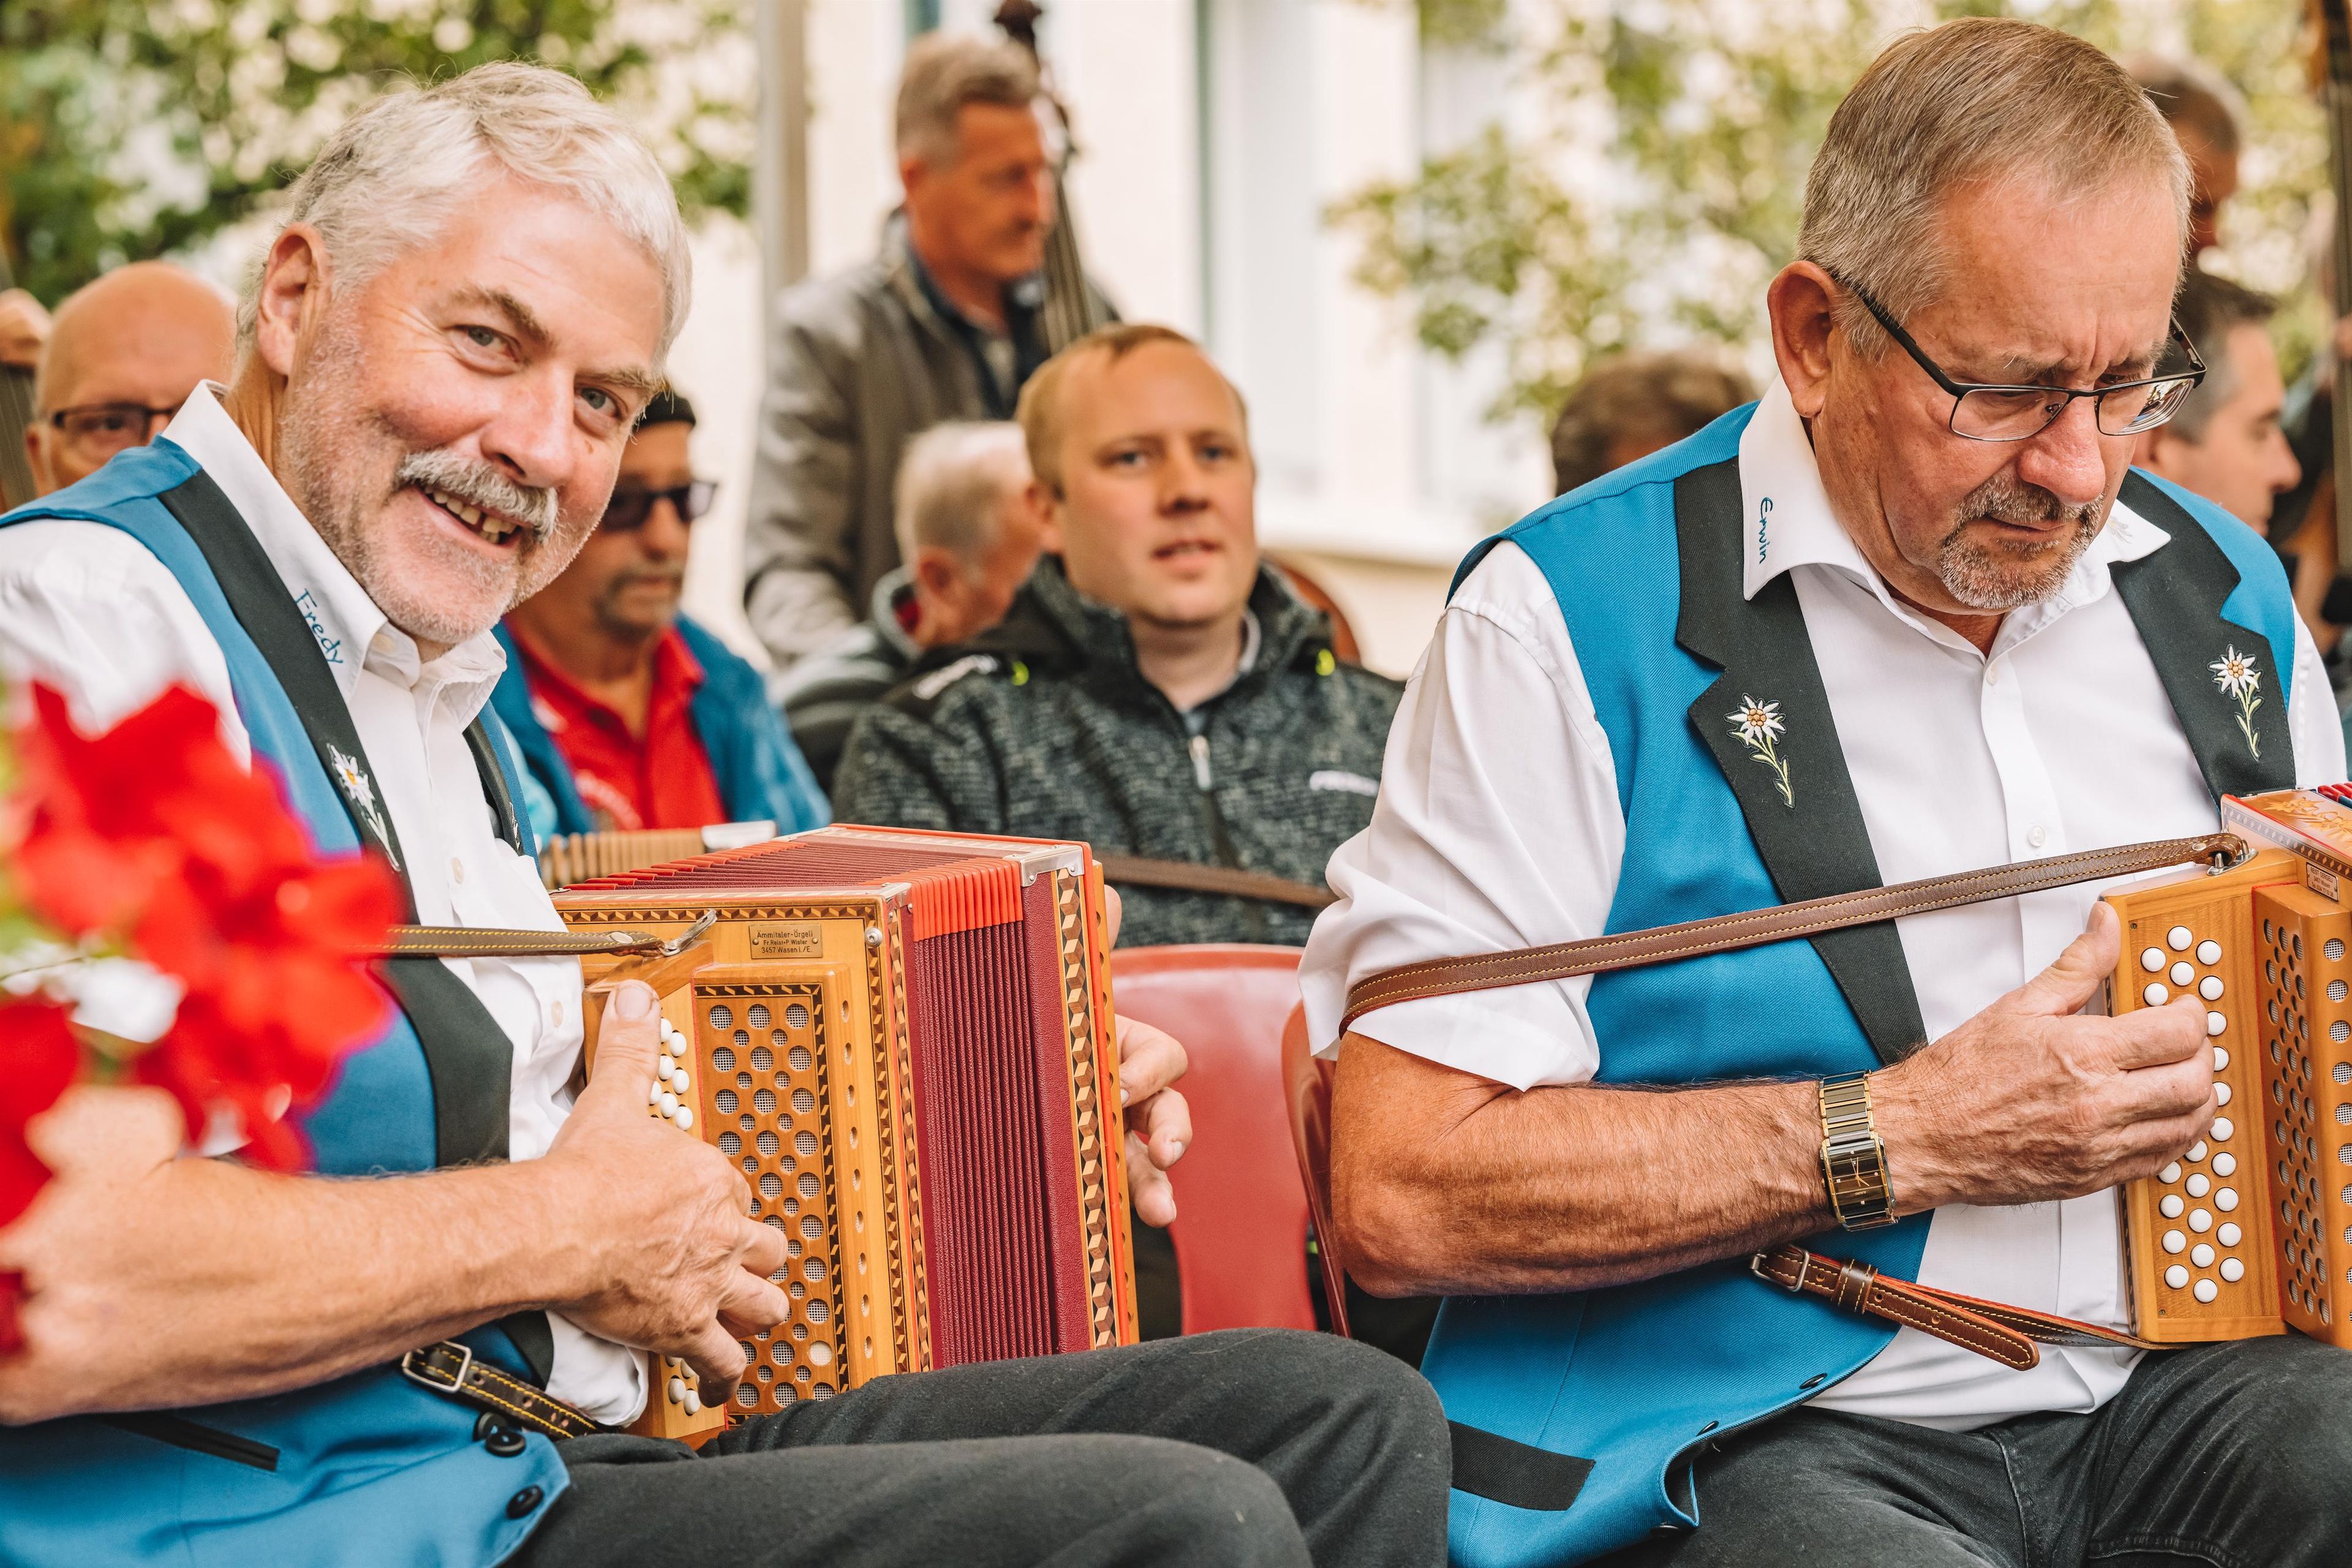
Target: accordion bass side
904 1040
2250 1233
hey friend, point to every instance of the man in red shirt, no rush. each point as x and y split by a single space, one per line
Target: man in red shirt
627 713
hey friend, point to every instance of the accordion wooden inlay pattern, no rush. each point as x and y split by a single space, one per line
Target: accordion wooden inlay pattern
2250 1233
904 1040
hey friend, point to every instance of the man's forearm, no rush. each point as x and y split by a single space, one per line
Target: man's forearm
1436 1192
200 1280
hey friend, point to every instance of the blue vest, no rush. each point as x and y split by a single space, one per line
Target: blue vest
369 1467
762 774
1646 566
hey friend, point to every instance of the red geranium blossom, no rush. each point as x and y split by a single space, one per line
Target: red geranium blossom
153 837
37 1057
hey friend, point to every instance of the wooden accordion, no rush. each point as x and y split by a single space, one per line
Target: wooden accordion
2250 1233
904 1040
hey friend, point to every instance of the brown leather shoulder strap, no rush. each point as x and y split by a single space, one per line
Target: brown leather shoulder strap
1779 923
1190 877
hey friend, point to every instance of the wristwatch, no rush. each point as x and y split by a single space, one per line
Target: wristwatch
1853 1160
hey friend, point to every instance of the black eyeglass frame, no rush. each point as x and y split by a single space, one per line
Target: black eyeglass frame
692 501
2065 395
155 418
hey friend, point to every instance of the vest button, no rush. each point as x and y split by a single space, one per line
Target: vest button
523 1501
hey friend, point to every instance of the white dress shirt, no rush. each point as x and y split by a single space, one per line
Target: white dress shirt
86 608
1498 827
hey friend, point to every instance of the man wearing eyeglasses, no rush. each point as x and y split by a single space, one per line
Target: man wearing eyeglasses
1912 614
123 353
625 712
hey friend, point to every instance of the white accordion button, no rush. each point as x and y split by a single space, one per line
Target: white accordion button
2196 1151
680 1082
2177 939
2177 1277
2200 1221
686 1118
2208 951
2198 1186
2221 1094
693 1403
2156 996
2175 1242
2215 1022
2225 1165
2170 1207
2202 1255
677 1390
652 1092
2152 960
668 1103
2205 1291
2222 1128
2226 1200
667 1066
2229 1235
2170 1174
2232 1271
2210 988
2181 973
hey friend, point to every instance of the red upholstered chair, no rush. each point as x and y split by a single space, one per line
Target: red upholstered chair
1306 1084
1240 1220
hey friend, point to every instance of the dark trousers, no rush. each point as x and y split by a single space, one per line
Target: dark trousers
2238 1456
1249 1448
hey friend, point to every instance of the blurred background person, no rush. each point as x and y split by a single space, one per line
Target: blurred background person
2225 444
23 327
122 354
1628 405
943 324
627 713
968 538
2201 108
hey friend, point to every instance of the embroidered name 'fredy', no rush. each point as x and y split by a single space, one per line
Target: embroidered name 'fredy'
332 647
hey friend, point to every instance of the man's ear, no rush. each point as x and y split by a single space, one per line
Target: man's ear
295 279
38 455
1049 525
1799 303
2150 452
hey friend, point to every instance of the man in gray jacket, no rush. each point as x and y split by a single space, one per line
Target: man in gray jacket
943 324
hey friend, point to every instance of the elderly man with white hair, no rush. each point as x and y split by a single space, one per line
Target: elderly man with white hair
440 361
1911 614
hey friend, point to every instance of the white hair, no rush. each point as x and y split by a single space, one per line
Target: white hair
953 480
391 178
1979 99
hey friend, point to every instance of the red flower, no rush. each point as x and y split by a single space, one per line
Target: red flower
37 1057
152 835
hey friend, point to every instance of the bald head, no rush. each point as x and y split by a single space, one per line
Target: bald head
143 336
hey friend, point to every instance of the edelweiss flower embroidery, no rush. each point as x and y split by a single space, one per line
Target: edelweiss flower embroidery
2237 676
1757 725
361 790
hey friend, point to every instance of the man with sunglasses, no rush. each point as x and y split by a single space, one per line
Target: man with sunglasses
123 353
1912 614
627 713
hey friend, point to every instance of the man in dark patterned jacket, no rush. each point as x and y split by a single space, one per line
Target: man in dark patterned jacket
1156 689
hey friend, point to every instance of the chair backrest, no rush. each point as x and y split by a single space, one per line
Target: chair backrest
1240 1215
1306 1084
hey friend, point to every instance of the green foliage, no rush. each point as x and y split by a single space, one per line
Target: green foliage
1556 241
131 129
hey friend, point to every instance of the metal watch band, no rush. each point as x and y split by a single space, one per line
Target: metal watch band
1854 1159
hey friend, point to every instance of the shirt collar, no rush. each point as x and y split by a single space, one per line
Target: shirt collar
1787 522
353 633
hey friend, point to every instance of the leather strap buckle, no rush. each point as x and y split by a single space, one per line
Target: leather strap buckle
1760 1265
450 1370
418 1367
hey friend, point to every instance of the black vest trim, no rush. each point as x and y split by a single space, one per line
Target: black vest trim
2175 596
467 1054
1514 1474
1812 837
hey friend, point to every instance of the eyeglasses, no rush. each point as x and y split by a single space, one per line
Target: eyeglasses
1990 413
631 505
96 431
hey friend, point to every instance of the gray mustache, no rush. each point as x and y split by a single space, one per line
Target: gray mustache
2005 499
479 484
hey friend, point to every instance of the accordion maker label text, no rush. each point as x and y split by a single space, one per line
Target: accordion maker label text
771 939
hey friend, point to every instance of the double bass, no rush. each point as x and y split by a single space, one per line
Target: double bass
1072 308
2322 543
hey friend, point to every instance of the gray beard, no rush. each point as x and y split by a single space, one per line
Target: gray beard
1997 578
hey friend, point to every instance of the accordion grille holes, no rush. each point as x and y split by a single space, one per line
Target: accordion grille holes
793 1175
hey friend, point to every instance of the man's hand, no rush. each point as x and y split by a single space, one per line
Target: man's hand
682 1268
24 328
1159 1122
2030 1101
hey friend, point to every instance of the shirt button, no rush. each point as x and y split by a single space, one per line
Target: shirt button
2037 837
456 869
1993 674
523 1501
555 1013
